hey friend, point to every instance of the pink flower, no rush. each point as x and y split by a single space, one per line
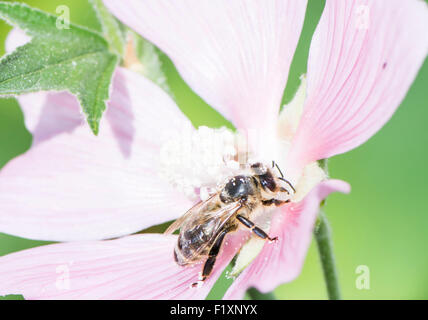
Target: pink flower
72 186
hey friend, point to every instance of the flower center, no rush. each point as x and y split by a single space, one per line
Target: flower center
196 162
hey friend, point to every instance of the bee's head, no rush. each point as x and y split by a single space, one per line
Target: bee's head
237 188
265 176
271 181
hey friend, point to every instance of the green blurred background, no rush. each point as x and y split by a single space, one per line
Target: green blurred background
382 224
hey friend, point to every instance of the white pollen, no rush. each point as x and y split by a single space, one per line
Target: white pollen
232 164
197 161
203 193
230 150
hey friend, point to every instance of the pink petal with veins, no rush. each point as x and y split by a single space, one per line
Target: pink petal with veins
134 267
363 58
234 54
282 261
76 186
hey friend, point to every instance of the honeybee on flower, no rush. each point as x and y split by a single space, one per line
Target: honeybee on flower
80 189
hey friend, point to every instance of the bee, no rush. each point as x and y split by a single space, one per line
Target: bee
204 227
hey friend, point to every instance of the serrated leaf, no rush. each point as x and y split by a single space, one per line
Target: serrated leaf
111 27
76 59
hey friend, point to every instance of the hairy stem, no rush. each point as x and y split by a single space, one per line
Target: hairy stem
257 295
325 248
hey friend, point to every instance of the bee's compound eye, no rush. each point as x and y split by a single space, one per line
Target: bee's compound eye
268 181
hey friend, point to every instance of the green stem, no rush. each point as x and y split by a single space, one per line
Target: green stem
325 249
257 295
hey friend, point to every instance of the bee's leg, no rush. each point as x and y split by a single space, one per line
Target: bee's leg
275 202
256 230
212 256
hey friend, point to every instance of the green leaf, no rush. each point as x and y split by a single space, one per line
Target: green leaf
12 297
112 29
151 65
76 59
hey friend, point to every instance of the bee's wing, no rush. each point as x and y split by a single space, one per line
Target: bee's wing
210 222
204 214
216 218
190 214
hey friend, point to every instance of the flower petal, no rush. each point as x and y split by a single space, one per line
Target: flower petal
234 54
134 267
363 58
282 261
15 38
76 186
47 114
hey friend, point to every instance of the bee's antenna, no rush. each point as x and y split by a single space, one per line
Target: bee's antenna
274 164
288 182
